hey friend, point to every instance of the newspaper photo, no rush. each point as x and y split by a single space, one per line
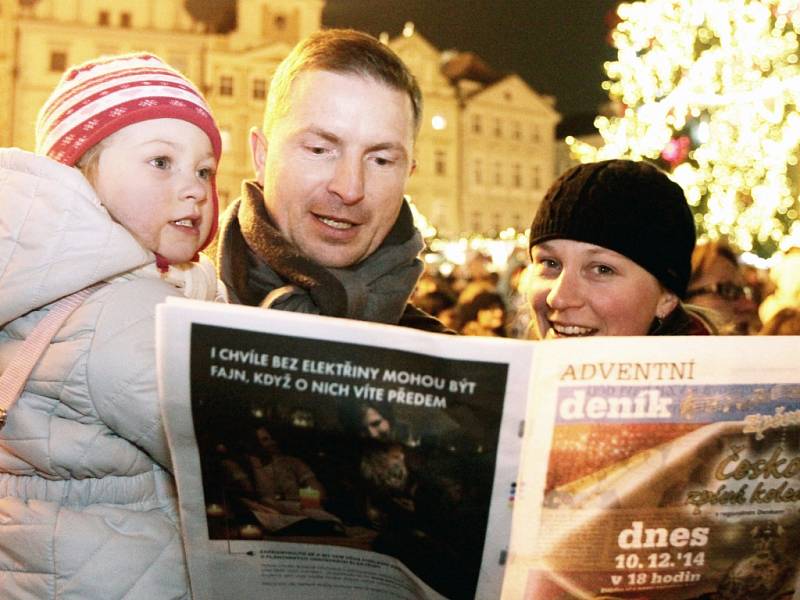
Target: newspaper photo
660 469
330 458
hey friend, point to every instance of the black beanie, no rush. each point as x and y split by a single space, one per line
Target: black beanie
630 207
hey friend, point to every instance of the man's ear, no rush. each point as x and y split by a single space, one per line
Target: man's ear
258 152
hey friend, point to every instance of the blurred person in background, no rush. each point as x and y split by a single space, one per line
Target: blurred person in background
611 247
484 314
435 303
519 315
785 276
784 322
718 283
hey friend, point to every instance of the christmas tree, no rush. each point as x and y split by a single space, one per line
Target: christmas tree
709 90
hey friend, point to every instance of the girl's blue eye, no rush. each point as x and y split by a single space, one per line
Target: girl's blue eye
206 173
160 162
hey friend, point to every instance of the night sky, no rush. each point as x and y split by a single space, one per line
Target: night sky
557 46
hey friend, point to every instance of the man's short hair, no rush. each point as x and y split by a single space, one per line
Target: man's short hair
341 51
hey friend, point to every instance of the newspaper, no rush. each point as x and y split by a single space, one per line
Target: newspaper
330 458
660 469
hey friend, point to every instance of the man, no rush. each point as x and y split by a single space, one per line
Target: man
324 228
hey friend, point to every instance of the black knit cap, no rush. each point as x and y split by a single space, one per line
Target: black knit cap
630 207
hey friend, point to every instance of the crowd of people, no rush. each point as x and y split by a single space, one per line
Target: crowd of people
735 297
109 215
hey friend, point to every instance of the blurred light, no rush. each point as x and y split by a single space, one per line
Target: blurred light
438 122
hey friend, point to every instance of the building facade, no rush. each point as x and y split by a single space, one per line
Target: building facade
486 148
40 38
486 151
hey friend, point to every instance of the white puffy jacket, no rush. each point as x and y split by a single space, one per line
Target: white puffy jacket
87 504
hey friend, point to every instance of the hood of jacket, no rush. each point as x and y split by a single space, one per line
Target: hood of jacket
55 236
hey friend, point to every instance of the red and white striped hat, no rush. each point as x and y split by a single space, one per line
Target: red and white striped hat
97 98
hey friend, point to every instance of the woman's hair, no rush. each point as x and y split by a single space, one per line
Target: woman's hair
351 416
468 311
686 319
784 322
434 302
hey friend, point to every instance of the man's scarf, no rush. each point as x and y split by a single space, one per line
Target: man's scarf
261 268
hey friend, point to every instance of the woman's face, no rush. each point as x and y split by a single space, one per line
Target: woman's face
491 317
579 289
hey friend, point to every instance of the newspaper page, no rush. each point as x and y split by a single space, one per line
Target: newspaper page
330 458
660 468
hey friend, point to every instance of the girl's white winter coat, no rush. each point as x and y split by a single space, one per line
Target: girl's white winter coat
87 503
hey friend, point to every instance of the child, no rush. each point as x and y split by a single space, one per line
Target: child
87 504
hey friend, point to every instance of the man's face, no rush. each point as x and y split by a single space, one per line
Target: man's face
335 165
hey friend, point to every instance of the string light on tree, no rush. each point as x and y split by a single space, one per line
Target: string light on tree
710 90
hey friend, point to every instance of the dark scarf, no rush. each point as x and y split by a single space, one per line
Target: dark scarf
261 268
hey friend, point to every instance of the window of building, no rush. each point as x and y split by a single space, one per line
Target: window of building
440 162
478 171
498 128
225 137
439 210
58 61
536 178
516 130
107 49
226 85
518 222
280 22
498 174
259 89
103 18
476 220
179 62
516 175
496 222
477 125
536 135
125 20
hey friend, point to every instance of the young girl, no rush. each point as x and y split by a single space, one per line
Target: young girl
120 190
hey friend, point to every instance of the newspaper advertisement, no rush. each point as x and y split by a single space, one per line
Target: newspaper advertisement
330 458
660 469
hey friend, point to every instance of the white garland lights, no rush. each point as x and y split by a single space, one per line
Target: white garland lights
710 90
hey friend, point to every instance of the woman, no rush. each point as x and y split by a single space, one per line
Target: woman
611 247
484 314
